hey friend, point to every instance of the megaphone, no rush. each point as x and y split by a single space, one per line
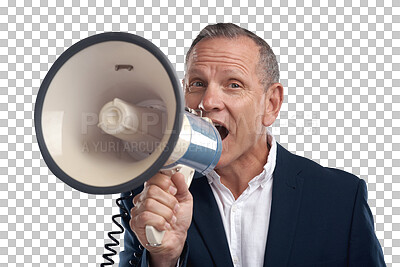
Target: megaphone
110 114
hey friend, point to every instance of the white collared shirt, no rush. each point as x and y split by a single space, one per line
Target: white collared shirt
246 219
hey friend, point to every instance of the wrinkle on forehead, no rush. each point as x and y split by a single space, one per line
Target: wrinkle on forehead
228 69
226 51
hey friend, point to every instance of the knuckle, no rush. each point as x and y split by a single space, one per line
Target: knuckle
190 197
136 199
160 222
144 216
164 182
134 212
152 191
148 204
170 215
134 224
134 218
172 202
147 217
141 217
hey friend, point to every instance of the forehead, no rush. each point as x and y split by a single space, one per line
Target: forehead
241 52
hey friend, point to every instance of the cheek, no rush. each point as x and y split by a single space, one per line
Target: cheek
192 101
249 120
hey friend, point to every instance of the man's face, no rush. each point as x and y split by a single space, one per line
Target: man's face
222 79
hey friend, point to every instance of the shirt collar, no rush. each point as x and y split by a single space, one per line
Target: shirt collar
267 172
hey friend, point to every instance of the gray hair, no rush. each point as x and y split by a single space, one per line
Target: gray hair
268 65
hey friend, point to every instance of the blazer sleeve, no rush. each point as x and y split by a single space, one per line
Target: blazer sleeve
134 254
133 250
364 247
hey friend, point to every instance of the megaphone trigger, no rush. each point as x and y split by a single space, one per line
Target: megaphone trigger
187 172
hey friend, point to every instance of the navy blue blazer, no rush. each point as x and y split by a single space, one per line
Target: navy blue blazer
319 217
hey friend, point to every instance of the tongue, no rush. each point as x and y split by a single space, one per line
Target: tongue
223 132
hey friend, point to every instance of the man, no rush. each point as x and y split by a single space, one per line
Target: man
262 206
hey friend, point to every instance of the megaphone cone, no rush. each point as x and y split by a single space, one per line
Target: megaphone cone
109 115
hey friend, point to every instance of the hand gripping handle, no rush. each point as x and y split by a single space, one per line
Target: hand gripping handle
155 237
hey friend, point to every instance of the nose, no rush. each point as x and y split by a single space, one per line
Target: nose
212 99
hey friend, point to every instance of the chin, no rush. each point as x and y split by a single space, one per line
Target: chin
223 161
225 158
224 153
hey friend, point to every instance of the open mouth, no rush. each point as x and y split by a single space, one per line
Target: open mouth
223 132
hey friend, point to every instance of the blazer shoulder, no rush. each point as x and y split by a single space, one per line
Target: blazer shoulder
328 187
317 173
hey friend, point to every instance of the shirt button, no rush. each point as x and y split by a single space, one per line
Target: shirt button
234 208
235 260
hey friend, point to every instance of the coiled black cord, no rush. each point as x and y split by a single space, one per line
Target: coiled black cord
123 214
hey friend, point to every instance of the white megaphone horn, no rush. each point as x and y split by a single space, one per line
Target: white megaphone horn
110 114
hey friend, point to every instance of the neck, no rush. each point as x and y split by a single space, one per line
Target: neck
238 174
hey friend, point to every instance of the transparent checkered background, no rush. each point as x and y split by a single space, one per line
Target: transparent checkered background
340 66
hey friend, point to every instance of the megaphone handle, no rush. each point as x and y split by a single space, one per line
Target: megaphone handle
155 237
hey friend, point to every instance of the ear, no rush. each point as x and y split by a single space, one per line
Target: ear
273 103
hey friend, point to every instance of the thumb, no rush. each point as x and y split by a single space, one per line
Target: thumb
182 193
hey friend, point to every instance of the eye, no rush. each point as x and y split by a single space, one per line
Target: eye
234 85
196 86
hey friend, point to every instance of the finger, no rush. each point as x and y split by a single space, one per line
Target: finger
149 218
161 180
158 194
161 196
157 208
182 189
139 197
136 199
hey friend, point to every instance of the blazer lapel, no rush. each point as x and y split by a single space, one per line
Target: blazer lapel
286 199
208 221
